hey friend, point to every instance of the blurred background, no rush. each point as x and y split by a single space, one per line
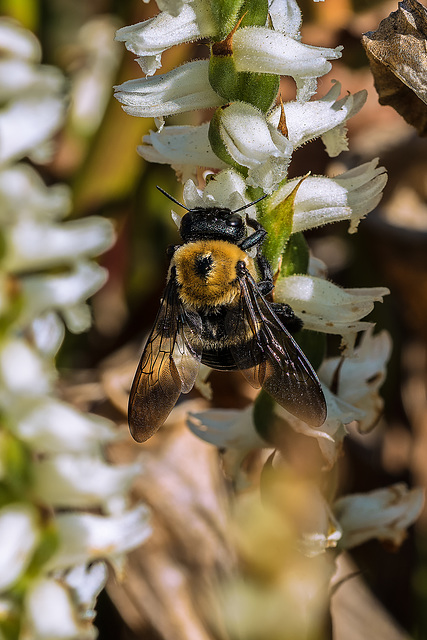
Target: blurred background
162 598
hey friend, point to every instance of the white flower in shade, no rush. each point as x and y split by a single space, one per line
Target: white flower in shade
185 88
326 117
185 148
263 50
361 375
320 200
384 514
326 307
254 143
19 536
233 430
84 537
331 434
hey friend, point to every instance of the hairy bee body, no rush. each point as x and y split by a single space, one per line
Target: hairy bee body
206 273
214 312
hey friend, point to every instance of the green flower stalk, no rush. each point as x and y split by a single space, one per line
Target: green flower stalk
64 509
246 149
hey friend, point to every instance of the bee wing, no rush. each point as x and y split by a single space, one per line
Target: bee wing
272 359
168 365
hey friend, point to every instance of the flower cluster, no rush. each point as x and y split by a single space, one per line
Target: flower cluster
246 148
63 507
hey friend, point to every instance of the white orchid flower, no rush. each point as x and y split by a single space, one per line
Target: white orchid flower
183 89
188 22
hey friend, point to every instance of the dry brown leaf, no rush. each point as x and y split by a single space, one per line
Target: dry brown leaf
398 58
170 582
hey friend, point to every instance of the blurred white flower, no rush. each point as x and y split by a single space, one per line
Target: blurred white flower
51 426
51 456
51 613
84 537
19 536
384 514
31 95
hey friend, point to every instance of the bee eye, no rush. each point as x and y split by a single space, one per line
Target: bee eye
234 220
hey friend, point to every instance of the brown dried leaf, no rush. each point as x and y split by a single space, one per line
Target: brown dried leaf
170 582
398 57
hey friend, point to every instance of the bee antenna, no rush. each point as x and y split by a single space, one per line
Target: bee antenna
173 199
250 204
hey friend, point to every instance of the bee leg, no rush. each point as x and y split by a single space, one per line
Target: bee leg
266 284
254 240
287 316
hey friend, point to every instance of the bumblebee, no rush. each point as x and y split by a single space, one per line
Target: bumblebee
214 310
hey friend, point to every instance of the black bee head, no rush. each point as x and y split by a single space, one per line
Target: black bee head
212 224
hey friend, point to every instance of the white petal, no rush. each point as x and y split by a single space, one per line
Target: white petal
384 514
225 189
286 17
255 144
85 537
51 426
185 88
27 122
18 42
50 614
23 371
45 292
361 375
335 140
171 6
33 245
263 50
325 307
308 120
23 194
78 317
86 583
226 428
185 148
19 536
48 333
349 196
80 481
233 430
150 38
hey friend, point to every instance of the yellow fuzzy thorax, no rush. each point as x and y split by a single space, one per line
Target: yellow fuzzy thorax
206 272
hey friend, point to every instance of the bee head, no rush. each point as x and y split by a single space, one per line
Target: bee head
212 224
